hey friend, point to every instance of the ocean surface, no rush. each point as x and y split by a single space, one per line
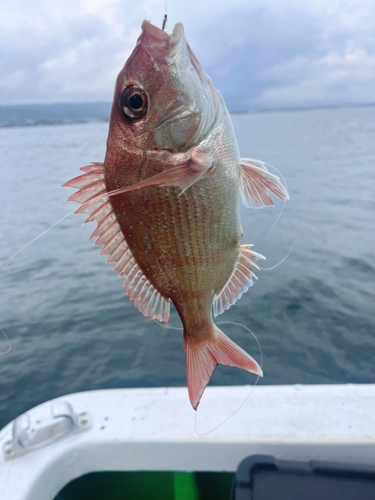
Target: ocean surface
71 327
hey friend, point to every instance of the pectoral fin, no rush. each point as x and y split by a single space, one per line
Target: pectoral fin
256 184
185 171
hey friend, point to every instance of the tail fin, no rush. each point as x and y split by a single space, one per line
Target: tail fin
202 358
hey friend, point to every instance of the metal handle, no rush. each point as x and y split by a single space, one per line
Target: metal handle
29 436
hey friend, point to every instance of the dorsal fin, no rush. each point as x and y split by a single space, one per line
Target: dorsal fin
240 281
256 182
108 233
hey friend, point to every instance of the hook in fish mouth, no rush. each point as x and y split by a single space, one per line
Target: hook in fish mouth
163 47
150 31
166 49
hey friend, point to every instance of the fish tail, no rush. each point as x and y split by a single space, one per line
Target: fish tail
202 356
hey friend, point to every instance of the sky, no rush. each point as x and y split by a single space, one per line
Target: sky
261 54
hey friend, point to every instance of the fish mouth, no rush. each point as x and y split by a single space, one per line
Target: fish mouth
166 49
161 46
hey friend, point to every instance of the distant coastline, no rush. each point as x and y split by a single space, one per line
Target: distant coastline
30 115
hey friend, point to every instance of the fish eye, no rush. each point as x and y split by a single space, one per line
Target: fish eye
133 102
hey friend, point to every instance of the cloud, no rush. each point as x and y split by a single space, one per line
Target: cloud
301 55
65 51
263 53
336 78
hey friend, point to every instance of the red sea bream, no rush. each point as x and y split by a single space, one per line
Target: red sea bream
166 199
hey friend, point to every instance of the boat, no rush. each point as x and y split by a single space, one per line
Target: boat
149 443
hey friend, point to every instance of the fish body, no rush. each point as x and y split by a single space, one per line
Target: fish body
166 199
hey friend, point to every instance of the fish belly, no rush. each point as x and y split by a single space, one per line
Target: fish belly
185 244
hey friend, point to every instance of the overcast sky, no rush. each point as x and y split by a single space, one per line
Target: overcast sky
259 53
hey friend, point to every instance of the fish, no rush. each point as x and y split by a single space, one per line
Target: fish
166 199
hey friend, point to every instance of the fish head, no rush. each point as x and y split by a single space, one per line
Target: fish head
163 98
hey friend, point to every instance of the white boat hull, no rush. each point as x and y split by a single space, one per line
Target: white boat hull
156 430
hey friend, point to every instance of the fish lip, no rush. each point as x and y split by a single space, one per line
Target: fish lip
161 46
164 48
150 31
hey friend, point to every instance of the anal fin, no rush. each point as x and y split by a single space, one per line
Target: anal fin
240 281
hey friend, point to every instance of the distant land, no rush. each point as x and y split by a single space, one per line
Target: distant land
24 115
27 115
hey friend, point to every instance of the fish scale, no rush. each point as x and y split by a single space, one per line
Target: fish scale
187 219
166 199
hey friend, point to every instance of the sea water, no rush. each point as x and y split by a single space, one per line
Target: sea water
71 327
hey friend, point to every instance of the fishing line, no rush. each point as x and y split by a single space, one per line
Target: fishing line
282 260
266 238
267 165
251 390
82 208
8 341
15 255
165 15
168 326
